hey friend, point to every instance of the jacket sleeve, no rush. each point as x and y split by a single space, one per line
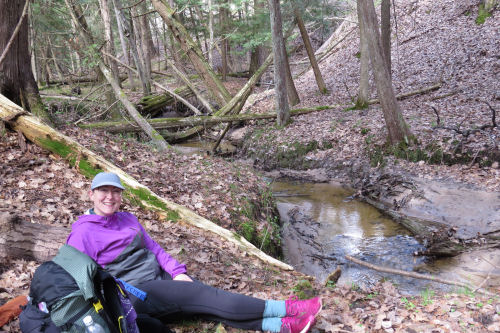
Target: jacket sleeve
166 261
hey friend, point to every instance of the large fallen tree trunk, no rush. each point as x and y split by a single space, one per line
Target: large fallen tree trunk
80 79
20 239
153 104
89 164
166 123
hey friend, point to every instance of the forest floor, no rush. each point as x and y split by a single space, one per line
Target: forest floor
439 41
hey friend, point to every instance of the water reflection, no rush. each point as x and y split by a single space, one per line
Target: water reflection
345 227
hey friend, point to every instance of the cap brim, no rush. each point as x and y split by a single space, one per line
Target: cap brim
108 184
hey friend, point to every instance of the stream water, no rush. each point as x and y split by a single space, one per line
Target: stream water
321 225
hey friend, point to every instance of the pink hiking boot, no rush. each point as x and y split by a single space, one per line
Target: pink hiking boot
296 324
299 308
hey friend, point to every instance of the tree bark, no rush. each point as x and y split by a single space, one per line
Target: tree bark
310 52
152 104
223 20
211 34
283 109
293 95
396 126
108 37
215 86
16 78
144 37
123 42
364 67
20 239
89 164
385 31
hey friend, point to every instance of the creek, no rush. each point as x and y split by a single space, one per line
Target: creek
321 224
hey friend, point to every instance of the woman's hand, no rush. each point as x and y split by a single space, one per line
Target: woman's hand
183 277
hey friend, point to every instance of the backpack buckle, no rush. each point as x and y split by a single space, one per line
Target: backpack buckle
98 306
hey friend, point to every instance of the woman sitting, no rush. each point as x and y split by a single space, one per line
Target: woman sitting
117 241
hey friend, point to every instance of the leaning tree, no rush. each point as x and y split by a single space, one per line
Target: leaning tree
16 78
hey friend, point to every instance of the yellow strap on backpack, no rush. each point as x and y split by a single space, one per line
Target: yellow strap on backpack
120 319
98 306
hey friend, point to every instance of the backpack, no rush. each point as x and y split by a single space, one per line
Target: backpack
72 286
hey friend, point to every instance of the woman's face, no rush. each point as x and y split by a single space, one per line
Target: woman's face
107 199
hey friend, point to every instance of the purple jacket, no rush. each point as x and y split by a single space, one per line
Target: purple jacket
104 238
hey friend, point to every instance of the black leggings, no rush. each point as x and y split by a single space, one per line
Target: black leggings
168 297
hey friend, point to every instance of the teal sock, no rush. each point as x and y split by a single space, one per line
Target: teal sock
274 309
271 324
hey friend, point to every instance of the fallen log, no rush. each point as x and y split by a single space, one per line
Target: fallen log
21 239
411 93
152 105
89 164
166 123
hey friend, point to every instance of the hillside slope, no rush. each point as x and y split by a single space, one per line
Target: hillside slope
436 42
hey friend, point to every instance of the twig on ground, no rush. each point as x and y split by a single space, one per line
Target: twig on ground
416 275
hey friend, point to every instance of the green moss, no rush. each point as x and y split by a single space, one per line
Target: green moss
303 289
56 147
482 15
247 230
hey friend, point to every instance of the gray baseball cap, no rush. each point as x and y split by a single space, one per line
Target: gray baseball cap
106 178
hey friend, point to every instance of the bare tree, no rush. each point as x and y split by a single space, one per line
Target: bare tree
364 71
310 52
385 31
108 37
16 78
396 126
279 63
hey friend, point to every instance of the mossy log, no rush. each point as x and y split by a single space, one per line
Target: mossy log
168 123
152 104
89 164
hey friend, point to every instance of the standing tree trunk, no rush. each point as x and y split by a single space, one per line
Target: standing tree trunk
146 41
214 85
123 42
396 126
142 48
310 52
385 31
211 34
364 70
108 37
16 78
293 95
279 63
223 20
